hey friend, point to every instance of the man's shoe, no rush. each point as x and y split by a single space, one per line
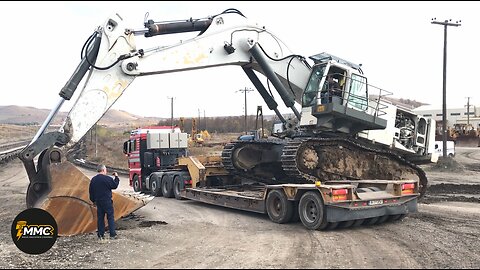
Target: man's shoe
114 237
101 239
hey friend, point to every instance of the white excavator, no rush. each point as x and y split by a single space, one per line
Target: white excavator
352 133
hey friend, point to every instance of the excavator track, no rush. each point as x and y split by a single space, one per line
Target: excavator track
228 156
310 159
306 160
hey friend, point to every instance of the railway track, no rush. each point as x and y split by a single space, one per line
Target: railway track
10 151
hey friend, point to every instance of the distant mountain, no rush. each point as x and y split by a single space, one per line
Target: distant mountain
22 115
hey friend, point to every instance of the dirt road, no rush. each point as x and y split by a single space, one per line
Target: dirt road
168 233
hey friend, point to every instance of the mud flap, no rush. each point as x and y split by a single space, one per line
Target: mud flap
68 200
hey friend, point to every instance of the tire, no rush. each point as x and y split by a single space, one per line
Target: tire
346 224
358 222
402 216
371 221
167 187
279 208
382 219
155 186
332 225
137 186
178 186
312 211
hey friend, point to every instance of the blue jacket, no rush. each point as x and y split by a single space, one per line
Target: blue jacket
101 187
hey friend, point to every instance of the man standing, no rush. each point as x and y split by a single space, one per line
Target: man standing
100 191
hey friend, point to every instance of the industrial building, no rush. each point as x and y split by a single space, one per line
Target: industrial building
456 116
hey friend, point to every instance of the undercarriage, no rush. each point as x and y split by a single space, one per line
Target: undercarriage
306 160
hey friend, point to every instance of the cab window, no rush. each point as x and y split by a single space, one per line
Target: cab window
313 86
358 92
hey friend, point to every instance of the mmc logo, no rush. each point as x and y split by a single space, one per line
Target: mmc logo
34 231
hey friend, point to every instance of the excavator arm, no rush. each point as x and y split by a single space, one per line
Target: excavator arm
111 61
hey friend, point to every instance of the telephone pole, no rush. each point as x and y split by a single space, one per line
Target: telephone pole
444 116
205 119
245 91
468 111
199 126
171 118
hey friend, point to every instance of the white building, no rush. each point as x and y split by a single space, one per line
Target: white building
455 115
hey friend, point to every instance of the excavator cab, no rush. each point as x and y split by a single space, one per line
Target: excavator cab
336 98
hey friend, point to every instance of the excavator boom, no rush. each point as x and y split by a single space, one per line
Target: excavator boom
55 184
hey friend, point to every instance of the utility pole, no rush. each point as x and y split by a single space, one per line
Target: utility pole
468 111
95 140
444 116
205 119
245 91
171 118
199 126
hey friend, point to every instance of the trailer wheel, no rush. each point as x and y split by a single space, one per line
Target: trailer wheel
155 186
402 216
167 188
178 186
312 211
358 222
279 208
137 186
382 219
346 224
332 225
370 221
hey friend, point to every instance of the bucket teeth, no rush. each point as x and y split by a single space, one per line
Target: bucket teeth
145 198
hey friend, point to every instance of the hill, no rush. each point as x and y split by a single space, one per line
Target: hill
24 115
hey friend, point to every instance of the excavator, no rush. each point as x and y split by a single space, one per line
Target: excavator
353 135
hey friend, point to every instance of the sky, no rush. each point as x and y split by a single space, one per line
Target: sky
399 48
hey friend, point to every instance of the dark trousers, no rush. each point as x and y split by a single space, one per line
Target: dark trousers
105 207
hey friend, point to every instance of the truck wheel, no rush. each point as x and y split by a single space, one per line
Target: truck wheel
279 208
137 186
167 188
155 186
178 186
312 211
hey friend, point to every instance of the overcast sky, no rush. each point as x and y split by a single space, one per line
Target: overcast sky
398 47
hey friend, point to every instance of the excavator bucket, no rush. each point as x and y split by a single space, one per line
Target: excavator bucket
68 199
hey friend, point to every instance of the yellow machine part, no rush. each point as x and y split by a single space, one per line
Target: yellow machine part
68 201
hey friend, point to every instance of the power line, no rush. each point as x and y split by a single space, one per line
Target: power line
245 91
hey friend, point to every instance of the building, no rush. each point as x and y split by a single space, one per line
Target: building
456 116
